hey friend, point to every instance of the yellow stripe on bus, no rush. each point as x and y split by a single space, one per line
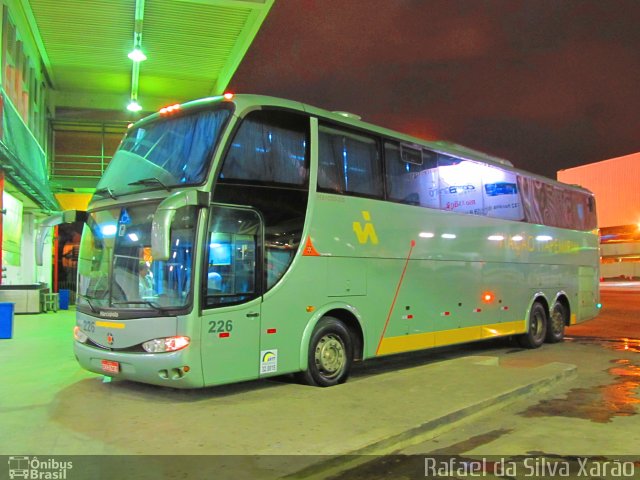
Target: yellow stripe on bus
406 343
109 324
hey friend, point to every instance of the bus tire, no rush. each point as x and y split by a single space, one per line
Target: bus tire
330 354
537 330
557 322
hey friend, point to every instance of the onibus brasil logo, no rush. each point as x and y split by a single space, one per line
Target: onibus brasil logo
36 469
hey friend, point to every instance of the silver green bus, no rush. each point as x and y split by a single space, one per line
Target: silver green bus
241 237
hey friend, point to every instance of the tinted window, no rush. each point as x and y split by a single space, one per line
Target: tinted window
552 205
349 163
412 177
232 256
269 147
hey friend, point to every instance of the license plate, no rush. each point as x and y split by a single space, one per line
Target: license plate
109 366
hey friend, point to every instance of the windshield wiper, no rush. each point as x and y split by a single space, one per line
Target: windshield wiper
150 181
88 302
104 192
153 305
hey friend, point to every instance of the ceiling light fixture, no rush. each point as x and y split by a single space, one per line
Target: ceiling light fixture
137 55
134 106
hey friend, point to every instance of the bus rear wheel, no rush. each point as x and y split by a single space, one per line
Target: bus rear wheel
537 331
330 354
557 321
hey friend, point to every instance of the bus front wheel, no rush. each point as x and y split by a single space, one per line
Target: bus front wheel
330 354
537 331
557 321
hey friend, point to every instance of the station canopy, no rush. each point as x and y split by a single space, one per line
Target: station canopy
192 49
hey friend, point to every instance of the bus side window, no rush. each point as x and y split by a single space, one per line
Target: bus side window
500 195
349 163
411 175
270 148
232 258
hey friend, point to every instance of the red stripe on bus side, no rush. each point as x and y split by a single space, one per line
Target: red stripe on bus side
395 297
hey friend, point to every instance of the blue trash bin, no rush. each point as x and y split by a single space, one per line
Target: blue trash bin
6 320
64 299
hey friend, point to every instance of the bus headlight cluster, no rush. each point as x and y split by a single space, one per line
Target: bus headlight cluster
170 344
79 335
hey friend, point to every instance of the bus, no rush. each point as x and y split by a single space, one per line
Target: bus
241 237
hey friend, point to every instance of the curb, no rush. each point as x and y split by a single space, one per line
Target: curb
435 426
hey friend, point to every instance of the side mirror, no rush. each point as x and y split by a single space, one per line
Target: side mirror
163 218
68 216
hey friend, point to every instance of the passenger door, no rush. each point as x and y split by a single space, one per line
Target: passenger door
232 287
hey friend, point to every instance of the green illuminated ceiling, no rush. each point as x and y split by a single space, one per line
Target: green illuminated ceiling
193 48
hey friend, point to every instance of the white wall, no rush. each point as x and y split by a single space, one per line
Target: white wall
28 272
620 269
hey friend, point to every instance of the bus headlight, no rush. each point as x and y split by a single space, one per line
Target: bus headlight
170 344
79 334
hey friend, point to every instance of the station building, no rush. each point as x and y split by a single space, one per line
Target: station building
73 75
617 194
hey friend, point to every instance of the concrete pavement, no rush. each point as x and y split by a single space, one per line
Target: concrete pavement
49 406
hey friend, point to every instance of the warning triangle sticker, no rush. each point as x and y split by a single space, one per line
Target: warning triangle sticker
309 249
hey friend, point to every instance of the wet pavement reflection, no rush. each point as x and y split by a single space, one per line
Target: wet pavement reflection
600 403
619 344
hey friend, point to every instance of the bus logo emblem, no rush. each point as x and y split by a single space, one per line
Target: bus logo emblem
18 467
268 361
366 232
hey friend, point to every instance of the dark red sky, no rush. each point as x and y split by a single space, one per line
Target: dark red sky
547 84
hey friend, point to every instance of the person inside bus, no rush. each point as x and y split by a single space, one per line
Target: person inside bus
145 281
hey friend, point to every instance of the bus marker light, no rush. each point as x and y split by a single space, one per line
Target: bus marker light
169 109
477 310
271 330
310 308
186 368
488 297
224 335
228 96
445 314
504 308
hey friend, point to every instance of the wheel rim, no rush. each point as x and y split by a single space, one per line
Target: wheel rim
557 321
330 356
537 325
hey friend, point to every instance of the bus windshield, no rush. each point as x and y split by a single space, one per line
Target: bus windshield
118 271
164 153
